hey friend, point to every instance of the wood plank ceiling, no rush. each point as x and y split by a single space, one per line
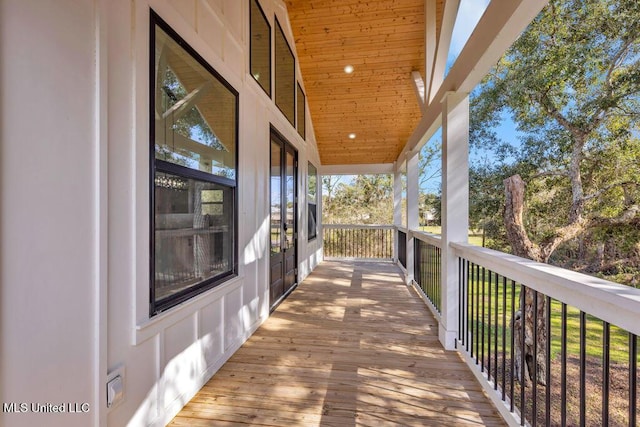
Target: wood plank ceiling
384 41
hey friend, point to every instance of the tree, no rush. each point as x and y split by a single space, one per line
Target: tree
571 82
429 164
368 199
429 182
329 184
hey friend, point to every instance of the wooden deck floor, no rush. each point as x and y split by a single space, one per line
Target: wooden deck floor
352 346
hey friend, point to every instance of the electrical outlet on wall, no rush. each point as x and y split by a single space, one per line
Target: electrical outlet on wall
115 387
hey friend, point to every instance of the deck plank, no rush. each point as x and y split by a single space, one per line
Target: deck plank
352 346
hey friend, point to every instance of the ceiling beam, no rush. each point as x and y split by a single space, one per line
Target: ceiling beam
449 15
430 43
419 89
184 105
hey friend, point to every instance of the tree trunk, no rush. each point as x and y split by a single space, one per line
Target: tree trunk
532 327
524 322
513 210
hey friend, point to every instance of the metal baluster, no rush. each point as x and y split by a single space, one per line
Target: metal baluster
504 336
484 292
513 344
477 294
534 397
548 363
439 276
606 341
563 368
460 300
495 337
523 404
473 297
489 328
633 379
583 369
467 308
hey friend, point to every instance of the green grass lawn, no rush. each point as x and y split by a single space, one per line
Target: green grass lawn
475 238
619 344
490 344
619 338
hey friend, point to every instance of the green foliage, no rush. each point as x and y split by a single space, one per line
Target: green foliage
192 125
367 200
571 83
429 182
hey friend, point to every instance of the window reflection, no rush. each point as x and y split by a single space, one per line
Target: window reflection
312 210
276 199
285 75
193 234
195 113
260 47
194 142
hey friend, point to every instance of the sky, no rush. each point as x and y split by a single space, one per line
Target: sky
469 14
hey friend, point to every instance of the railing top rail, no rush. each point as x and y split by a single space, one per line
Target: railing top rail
359 226
612 302
429 238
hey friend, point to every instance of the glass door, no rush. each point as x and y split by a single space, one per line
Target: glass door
284 233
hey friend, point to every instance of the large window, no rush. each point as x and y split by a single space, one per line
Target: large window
312 205
194 140
260 47
285 75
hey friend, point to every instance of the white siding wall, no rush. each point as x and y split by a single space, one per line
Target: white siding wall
74 224
47 218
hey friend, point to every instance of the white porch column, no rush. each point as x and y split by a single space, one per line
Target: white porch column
397 204
412 206
455 205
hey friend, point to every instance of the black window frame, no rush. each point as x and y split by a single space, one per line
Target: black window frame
268 91
279 29
302 119
157 165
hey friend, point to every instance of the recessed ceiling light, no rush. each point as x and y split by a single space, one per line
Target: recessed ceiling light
352 136
348 69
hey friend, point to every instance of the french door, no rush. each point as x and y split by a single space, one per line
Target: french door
284 227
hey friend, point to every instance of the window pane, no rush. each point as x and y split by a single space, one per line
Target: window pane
276 199
193 234
290 201
312 220
313 183
285 76
300 112
260 47
195 112
312 191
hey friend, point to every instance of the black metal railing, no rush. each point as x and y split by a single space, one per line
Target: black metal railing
402 248
549 362
358 241
427 271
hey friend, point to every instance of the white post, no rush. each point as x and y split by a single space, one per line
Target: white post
455 205
412 207
397 205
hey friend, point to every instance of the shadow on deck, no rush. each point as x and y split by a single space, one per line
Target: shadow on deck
351 346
